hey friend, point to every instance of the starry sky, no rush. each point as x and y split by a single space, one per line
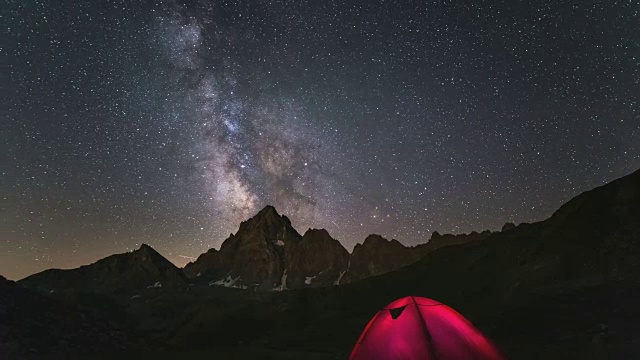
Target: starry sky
168 123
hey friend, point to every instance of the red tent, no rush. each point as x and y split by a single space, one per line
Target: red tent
420 328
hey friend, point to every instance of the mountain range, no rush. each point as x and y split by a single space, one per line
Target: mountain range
266 253
565 287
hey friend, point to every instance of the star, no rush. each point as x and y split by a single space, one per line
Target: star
169 124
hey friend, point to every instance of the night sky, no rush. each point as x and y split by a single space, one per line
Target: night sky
167 123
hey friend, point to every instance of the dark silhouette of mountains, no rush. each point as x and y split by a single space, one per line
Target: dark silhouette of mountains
121 273
378 255
317 260
563 288
267 253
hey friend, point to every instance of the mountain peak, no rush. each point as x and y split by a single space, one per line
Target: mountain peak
375 256
375 239
146 248
317 232
268 210
146 252
252 255
268 216
122 273
266 219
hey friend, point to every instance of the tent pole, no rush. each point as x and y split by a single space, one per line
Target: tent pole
426 331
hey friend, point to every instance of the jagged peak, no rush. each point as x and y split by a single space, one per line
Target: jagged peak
213 250
208 253
147 250
396 242
145 253
268 214
145 247
374 238
320 232
268 218
269 209
437 236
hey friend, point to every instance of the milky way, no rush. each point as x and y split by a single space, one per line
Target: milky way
250 147
170 122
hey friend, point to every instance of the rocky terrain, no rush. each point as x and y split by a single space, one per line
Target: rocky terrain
253 257
317 260
121 273
267 253
378 255
563 288
36 324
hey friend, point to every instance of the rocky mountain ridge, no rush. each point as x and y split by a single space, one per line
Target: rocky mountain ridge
125 273
267 253
562 288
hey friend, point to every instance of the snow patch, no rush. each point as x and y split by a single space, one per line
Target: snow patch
283 282
135 296
229 282
156 285
309 279
337 282
280 243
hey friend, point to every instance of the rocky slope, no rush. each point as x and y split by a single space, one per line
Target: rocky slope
378 255
563 288
252 258
34 324
438 241
375 256
268 254
317 260
126 273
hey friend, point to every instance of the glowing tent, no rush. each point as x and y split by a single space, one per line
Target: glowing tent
420 328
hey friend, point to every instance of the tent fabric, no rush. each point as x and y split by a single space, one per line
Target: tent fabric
413 328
